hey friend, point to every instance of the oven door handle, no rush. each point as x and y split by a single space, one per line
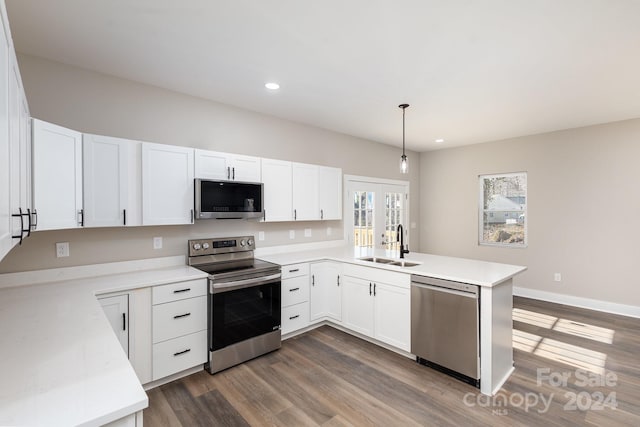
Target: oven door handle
216 288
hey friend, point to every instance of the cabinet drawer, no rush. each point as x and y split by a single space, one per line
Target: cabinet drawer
295 290
179 290
295 270
378 275
178 318
295 317
179 354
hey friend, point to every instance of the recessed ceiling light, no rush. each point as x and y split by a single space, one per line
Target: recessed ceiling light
272 86
439 140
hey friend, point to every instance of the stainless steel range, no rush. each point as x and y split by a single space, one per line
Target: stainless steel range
244 300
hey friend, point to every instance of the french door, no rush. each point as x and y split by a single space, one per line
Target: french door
373 211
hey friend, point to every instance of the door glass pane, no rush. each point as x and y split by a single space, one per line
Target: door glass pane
363 219
394 211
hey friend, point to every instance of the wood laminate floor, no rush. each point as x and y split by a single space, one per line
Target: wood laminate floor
573 366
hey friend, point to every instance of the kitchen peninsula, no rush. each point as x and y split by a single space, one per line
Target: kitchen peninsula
494 280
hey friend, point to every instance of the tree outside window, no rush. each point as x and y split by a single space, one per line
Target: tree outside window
503 209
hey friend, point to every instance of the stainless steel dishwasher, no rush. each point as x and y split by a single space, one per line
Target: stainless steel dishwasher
445 332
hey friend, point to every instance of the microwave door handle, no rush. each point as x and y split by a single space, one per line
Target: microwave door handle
216 288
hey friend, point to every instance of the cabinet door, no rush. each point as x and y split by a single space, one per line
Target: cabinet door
245 168
305 192
317 292
357 305
57 176
109 169
117 311
325 299
167 184
330 193
6 241
393 315
333 293
212 165
276 176
20 152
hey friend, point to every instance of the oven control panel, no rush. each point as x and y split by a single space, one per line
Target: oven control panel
221 245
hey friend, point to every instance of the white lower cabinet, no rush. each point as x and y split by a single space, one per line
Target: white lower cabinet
179 354
377 303
325 295
132 420
116 308
295 317
294 297
179 327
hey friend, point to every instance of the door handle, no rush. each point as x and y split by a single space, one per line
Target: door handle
35 219
313 280
21 216
369 288
294 317
29 222
228 172
124 214
374 289
182 352
321 213
233 171
295 214
338 280
81 214
124 321
191 216
294 289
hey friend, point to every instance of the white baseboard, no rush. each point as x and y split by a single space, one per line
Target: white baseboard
591 304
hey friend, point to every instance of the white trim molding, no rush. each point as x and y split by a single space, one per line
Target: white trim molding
591 304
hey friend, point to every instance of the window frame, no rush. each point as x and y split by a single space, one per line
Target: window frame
481 211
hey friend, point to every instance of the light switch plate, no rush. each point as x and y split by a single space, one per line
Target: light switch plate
261 236
307 232
329 231
292 234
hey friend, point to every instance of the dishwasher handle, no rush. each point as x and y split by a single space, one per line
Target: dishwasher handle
473 295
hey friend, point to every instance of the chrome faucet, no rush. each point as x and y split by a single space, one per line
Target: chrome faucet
400 238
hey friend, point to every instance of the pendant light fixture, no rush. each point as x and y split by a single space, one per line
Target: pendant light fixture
404 163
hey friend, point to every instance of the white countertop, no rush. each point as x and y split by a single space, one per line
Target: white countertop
474 272
60 362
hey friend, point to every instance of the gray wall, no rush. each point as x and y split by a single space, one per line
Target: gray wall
583 208
105 105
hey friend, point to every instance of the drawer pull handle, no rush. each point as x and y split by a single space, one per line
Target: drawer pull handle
181 315
182 352
177 291
294 289
294 270
294 317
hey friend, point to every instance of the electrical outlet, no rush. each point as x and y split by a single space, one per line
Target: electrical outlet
62 249
157 243
261 235
292 234
557 277
329 231
307 232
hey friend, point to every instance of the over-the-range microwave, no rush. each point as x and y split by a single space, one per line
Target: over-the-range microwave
228 199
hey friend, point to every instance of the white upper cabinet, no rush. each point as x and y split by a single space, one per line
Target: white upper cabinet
276 176
330 192
305 195
111 181
6 232
167 184
226 166
57 176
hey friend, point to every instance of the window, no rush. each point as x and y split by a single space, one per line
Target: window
503 210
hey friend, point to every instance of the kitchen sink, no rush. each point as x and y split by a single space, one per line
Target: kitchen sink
405 263
394 262
377 260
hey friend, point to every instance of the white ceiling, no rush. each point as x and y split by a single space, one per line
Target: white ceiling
473 71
